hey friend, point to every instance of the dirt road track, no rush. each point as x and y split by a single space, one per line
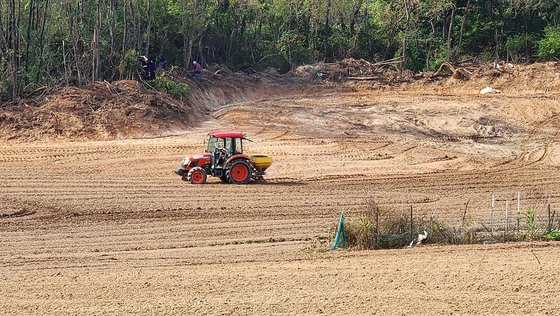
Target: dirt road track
106 227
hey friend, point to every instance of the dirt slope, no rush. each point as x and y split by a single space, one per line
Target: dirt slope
98 111
129 109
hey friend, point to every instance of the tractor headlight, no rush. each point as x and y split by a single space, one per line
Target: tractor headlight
185 161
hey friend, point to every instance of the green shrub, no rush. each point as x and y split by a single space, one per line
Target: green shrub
549 46
293 47
439 56
361 234
129 63
439 233
554 235
532 228
516 46
177 90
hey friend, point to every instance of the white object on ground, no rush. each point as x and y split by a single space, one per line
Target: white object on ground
488 90
419 239
422 237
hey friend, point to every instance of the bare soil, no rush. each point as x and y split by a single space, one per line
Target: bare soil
105 227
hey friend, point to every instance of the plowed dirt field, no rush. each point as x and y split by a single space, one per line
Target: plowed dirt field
107 228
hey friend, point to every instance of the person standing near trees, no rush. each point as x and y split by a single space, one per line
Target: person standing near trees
149 68
197 71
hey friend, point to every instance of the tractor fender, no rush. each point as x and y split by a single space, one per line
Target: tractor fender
234 157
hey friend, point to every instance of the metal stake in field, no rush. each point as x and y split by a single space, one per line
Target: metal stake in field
492 214
411 232
518 202
549 224
507 220
518 211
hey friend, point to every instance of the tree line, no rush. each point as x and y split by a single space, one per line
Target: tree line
75 42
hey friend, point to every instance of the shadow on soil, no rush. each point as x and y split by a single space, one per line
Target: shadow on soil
20 213
278 183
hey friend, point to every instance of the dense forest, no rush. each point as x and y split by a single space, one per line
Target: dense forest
48 42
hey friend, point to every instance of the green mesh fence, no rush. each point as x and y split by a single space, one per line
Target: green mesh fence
340 237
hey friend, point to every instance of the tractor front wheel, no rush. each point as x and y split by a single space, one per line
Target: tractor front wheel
239 172
197 175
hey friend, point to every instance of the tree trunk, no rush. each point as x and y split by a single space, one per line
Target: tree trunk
189 36
404 40
429 52
42 39
390 39
14 24
28 37
125 30
450 30
444 24
3 47
357 7
200 53
74 37
80 12
495 25
95 44
526 19
148 28
497 41
137 28
463 22
112 15
230 44
189 40
64 62
327 28
256 37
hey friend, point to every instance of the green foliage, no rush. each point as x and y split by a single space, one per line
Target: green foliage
438 56
292 47
177 90
260 34
520 46
549 46
532 228
440 233
554 235
514 46
361 233
129 63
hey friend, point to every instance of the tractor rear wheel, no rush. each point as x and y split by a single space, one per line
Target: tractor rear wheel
239 172
197 175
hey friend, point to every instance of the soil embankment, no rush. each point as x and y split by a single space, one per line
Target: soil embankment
125 109
129 109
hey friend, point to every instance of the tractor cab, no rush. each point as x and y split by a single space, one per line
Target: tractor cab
222 146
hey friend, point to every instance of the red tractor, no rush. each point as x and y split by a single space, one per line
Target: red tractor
224 158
